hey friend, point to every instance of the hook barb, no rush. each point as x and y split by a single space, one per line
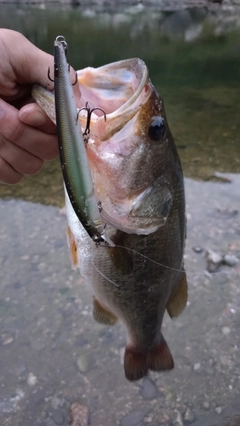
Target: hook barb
89 113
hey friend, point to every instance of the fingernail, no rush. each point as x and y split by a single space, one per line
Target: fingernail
32 118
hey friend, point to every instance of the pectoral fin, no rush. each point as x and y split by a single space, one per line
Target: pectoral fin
178 298
102 315
120 256
121 259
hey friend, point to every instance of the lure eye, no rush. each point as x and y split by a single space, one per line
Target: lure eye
157 129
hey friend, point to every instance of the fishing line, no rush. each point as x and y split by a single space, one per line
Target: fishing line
151 260
145 257
104 276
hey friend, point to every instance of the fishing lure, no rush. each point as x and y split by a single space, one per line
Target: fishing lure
75 168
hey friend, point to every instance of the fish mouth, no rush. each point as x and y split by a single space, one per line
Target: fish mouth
114 87
119 90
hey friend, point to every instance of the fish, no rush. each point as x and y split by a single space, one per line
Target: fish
138 183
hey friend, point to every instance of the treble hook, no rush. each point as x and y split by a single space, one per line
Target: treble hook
89 113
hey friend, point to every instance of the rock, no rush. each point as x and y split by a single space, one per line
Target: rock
37 345
230 260
197 366
206 405
133 418
188 416
228 213
57 402
31 380
214 260
178 421
197 249
58 417
85 362
79 414
226 330
148 390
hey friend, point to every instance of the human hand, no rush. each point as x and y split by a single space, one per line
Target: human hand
27 136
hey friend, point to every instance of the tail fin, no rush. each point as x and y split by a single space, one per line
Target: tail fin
137 363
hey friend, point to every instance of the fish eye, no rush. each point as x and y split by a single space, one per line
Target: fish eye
157 129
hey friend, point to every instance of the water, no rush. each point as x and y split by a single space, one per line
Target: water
52 351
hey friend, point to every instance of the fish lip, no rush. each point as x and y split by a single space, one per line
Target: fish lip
139 67
140 87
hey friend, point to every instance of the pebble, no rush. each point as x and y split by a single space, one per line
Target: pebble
31 379
206 405
188 416
37 345
148 390
178 421
197 366
230 260
57 402
85 362
214 260
58 417
226 330
79 414
133 418
197 249
7 341
227 212
218 410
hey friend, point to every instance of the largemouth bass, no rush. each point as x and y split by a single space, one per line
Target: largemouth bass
138 183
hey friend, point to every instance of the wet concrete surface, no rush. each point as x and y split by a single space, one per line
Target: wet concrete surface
53 353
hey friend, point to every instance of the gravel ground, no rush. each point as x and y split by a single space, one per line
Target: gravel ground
59 367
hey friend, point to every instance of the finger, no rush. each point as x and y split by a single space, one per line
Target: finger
36 142
33 115
8 174
30 63
20 160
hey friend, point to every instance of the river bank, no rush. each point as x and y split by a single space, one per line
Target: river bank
114 4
